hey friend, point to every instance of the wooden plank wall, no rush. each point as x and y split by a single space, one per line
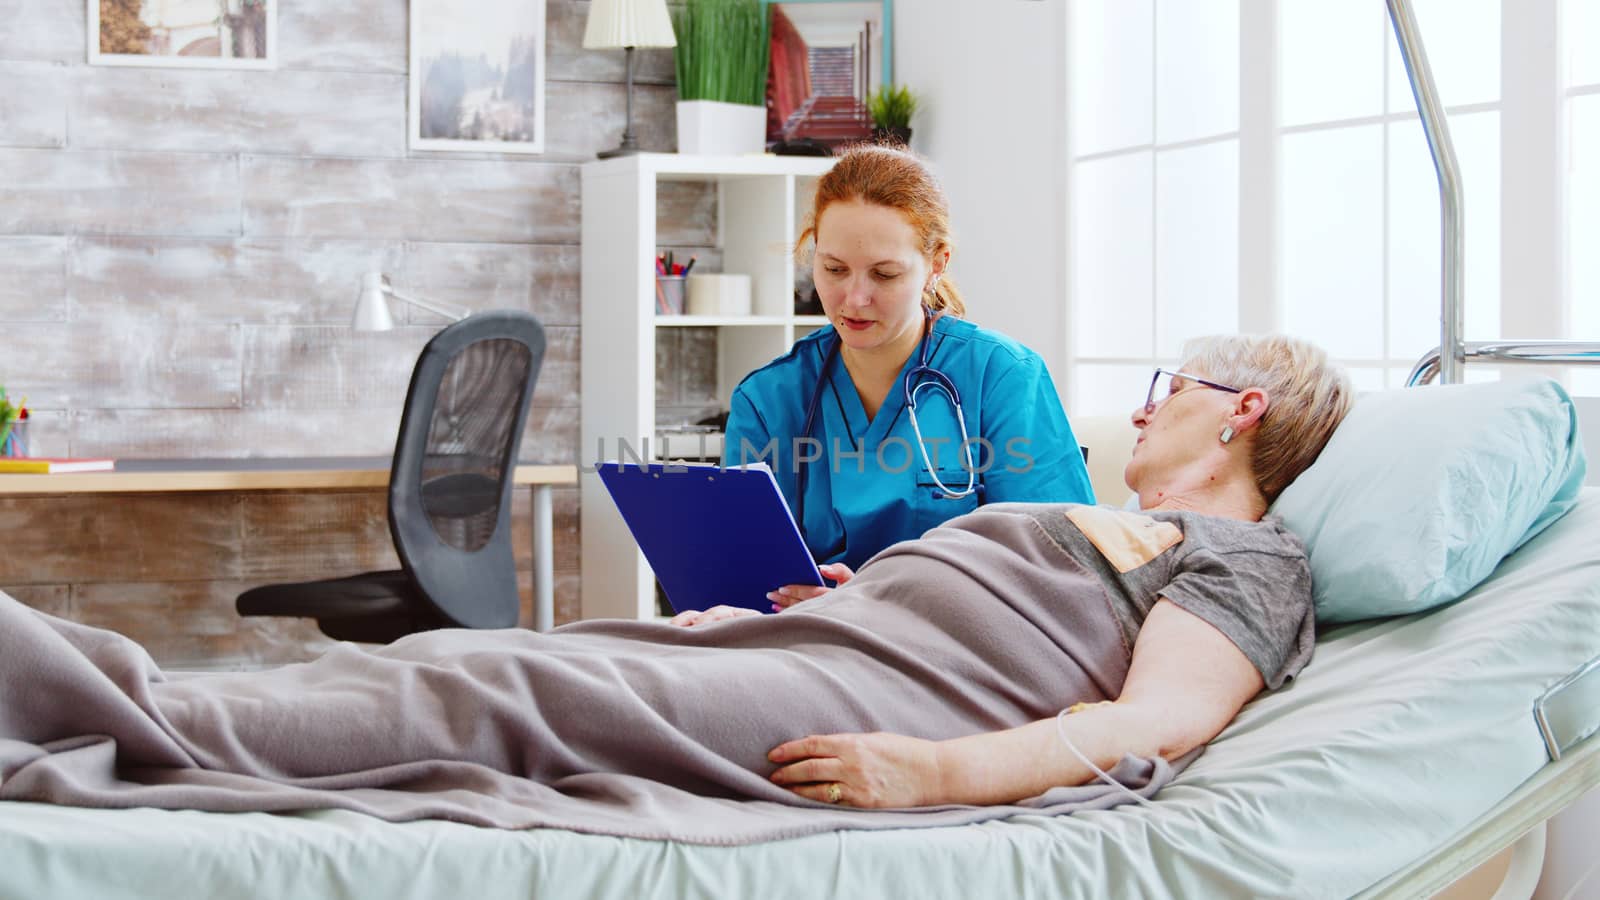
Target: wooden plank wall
179 257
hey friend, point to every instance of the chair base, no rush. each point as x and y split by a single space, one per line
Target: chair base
374 607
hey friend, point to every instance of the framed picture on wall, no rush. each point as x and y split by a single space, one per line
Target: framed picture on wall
825 58
215 34
477 75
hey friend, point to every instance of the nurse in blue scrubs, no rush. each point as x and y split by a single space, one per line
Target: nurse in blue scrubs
902 414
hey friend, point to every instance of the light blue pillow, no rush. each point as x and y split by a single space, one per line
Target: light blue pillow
1422 491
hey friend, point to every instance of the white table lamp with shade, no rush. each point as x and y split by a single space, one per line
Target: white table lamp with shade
372 305
628 24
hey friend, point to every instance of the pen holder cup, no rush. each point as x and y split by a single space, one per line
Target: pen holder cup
14 442
669 295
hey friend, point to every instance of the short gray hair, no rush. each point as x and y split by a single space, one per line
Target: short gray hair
1308 397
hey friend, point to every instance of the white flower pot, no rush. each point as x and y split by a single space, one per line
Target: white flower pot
714 128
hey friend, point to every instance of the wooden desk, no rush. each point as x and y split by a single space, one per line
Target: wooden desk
133 476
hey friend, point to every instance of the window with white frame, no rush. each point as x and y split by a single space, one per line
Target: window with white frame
1581 88
1301 197
1154 133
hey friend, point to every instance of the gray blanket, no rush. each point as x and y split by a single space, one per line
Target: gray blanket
627 728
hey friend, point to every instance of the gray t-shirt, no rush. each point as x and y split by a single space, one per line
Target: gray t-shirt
1249 580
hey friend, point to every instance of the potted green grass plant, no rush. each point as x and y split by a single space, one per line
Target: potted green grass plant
722 76
891 109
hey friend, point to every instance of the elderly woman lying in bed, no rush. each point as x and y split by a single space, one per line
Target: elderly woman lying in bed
1211 602
930 678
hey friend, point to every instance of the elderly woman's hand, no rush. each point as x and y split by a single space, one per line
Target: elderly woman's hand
691 617
865 770
790 594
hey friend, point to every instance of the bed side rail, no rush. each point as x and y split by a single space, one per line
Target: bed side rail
1567 712
1571 353
1547 792
1567 717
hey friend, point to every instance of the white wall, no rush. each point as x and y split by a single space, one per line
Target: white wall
1589 427
992 79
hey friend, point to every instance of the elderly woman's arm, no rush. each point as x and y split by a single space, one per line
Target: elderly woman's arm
1186 683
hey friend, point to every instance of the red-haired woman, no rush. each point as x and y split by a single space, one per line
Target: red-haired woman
903 414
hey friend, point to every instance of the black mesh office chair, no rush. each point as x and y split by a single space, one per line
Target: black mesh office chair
449 495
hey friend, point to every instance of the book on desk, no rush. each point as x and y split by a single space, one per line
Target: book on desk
713 536
41 465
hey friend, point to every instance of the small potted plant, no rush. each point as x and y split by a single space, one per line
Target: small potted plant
891 108
722 76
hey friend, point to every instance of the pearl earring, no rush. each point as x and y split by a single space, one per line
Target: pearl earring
1227 433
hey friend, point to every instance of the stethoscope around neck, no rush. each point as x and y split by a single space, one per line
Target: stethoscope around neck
918 378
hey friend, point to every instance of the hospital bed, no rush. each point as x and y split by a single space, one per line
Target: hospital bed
1404 755
1411 750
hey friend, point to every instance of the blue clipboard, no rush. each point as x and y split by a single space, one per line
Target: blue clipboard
712 535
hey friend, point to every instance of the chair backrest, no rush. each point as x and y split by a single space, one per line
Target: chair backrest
450 488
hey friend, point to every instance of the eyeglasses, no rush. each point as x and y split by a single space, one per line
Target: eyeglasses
1161 385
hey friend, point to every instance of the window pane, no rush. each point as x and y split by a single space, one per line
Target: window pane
1414 265
1112 93
1197 69
1585 383
1111 256
1462 39
1580 28
1583 217
1108 390
1366 379
1330 58
1395 377
1197 244
1331 220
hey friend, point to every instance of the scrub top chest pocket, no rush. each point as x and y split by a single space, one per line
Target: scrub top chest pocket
942 488
946 503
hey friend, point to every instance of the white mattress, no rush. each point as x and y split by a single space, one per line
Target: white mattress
1397 736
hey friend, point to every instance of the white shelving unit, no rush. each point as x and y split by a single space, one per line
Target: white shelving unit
760 201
